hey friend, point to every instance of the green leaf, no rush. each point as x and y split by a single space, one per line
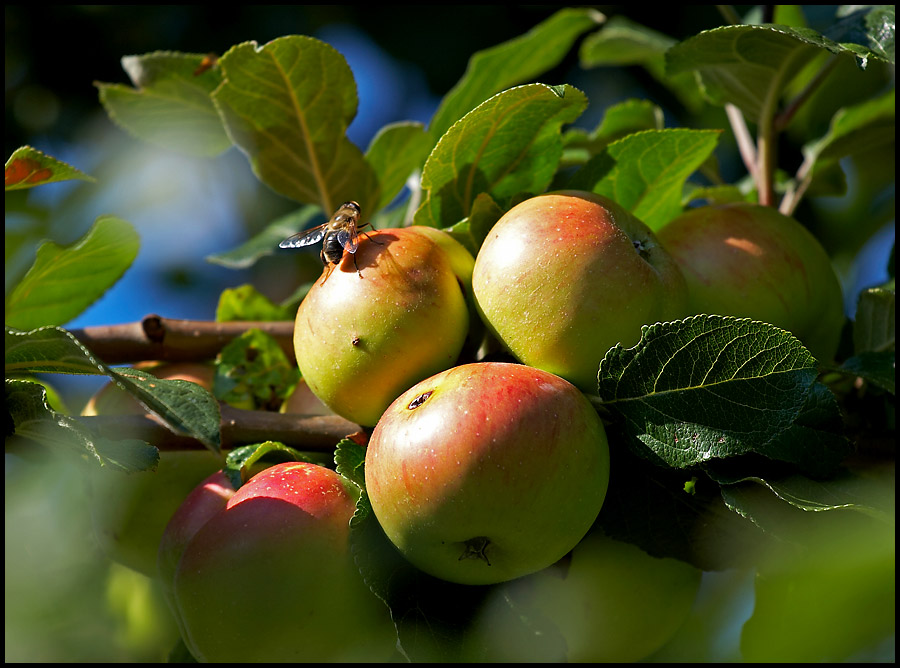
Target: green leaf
708 387
34 420
63 282
185 407
867 30
507 146
27 167
239 463
748 65
878 367
170 104
252 372
395 153
246 303
287 106
854 131
513 62
646 171
472 230
266 242
875 323
618 121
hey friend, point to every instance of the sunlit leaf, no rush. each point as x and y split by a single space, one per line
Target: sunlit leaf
245 302
507 146
253 372
63 282
395 153
287 106
170 104
516 61
266 241
27 167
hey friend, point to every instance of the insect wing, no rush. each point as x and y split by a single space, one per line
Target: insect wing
349 239
305 238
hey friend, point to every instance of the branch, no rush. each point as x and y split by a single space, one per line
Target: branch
312 433
166 339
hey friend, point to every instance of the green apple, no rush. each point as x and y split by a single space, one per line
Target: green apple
486 472
563 277
129 512
751 261
610 601
361 338
270 577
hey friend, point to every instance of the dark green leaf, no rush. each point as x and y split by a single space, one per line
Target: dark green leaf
240 462
287 106
748 65
266 242
63 282
646 171
170 103
187 408
707 387
871 27
395 153
472 230
517 61
33 419
508 145
878 367
874 326
27 167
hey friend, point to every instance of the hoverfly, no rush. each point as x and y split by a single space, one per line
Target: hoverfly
340 234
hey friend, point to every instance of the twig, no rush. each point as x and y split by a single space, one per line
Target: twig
313 433
158 338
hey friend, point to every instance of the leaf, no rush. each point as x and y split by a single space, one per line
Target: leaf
875 323
646 171
350 460
867 30
395 153
287 106
246 303
707 387
619 121
63 281
266 242
252 372
239 463
33 419
185 407
854 131
170 104
748 65
879 368
472 230
508 145
513 62
27 167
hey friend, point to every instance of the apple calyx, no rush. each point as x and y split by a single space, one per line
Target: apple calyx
475 549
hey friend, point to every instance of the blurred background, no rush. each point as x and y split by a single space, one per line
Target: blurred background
404 60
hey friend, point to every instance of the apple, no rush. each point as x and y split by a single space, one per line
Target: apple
610 601
129 512
487 471
270 577
751 261
563 277
361 338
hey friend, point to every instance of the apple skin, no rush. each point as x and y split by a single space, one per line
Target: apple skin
751 261
611 601
563 277
270 577
497 473
362 339
129 512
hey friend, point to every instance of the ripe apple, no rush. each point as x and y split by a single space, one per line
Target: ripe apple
270 577
486 472
751 261
563 277
611 602
129 512
363 338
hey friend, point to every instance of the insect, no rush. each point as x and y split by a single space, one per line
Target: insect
340 234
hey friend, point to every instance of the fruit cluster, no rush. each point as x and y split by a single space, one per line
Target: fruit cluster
479 472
